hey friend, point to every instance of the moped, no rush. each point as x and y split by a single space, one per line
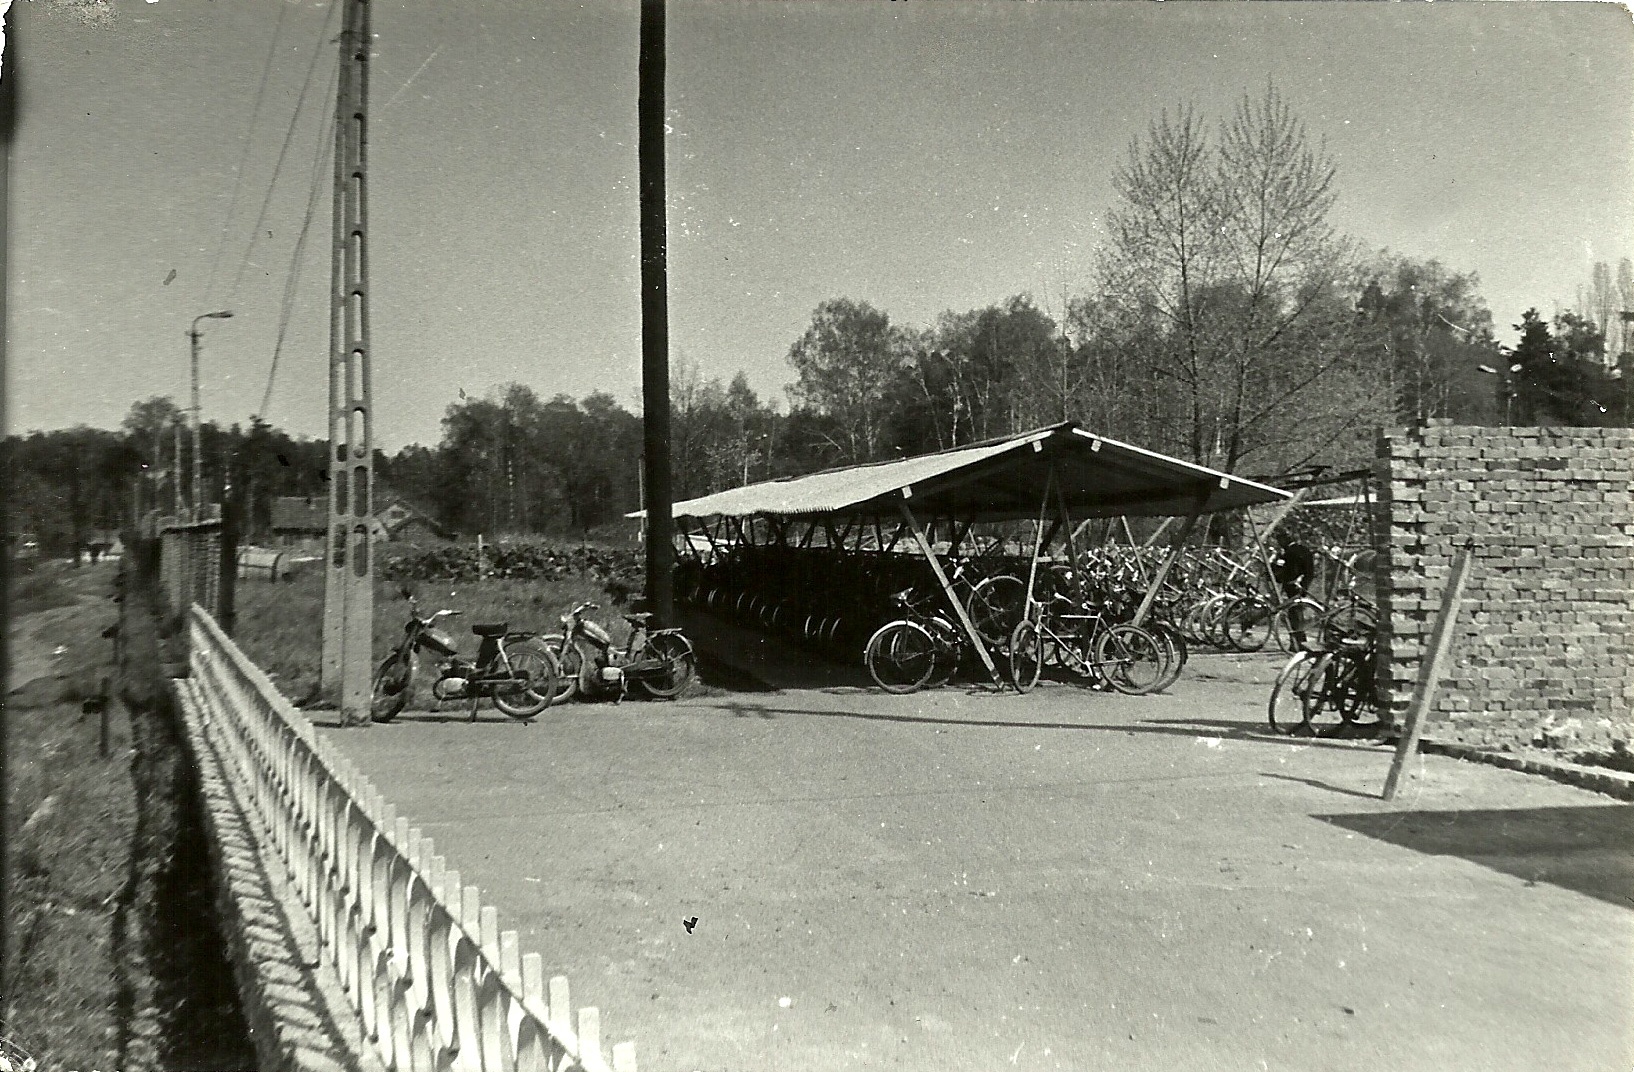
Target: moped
659 663
517 669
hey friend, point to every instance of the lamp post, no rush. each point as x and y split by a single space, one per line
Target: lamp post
1506 384
193 335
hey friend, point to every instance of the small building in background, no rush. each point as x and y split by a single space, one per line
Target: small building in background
303 520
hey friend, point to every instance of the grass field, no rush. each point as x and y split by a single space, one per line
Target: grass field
70 818
280 625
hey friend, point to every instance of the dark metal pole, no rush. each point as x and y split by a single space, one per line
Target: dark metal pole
8 111
655 315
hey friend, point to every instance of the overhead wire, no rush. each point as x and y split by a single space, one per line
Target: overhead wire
318 53
243 160
320 166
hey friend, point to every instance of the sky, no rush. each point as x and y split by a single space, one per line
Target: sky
922 156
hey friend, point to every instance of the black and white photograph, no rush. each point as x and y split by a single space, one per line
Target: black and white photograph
770 535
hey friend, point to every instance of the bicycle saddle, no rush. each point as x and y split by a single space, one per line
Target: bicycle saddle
491 630
640 617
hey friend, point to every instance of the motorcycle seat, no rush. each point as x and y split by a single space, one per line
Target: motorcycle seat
491 630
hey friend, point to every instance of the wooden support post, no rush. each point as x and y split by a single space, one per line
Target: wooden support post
1170 559
1430 670
1055 528
947 588
1282 512
1161 529
1264 555
1072 545
1038 543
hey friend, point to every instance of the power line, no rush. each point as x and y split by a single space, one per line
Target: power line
292 280
283 151
243 160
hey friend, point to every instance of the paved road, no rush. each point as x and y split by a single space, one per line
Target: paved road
1065 880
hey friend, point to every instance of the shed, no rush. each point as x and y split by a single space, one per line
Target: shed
1051 474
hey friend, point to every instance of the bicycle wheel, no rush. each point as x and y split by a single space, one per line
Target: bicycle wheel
1175 652
569 667
1286 708
1324 694
531 695
1247 623
1131 658
901 656
1026 656
678 665
1211 624
949 652
1299 624
996 605
1353 622
393 685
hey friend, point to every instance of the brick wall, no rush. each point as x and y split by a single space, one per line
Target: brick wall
1544 651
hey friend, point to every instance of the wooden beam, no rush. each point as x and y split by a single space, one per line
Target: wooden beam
1173 555
1430 670
1038 543
1283 511
947 589
1161 529
1072 545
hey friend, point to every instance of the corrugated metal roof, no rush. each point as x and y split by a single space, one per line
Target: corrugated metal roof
999 480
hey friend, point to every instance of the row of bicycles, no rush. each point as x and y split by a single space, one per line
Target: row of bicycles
1058 632
1078 625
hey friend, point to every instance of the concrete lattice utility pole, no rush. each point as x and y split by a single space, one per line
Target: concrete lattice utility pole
348 593
193 335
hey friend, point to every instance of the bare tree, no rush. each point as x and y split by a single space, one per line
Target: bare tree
1233 290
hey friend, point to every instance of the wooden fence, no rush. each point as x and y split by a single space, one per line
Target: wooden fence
434 981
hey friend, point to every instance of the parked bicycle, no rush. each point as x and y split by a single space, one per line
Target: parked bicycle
514 668
923 647
658 663
1249 622
1331 690
1083 641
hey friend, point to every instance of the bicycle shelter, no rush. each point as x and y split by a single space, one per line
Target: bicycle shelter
1050 476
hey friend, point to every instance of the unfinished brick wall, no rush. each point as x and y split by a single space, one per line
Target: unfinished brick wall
1544 650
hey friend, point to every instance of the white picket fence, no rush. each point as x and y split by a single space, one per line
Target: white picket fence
435 982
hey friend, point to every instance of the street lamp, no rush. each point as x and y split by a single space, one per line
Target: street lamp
193 334
1506 384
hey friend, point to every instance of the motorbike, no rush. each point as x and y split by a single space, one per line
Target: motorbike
516 669
658 663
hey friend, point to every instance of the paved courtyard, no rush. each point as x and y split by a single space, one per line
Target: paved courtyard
1065 880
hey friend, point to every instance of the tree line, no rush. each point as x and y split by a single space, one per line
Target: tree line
1227 322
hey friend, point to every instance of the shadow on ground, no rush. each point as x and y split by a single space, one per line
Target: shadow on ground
1585 849
1203 728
